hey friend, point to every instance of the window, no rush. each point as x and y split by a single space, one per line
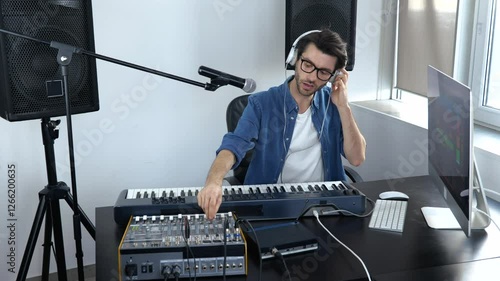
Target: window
469 50
485 73
426 36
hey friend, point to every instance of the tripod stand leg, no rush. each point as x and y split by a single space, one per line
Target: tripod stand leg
83 217
47 245
58 240
30 245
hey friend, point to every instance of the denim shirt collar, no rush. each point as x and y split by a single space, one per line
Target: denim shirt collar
290 101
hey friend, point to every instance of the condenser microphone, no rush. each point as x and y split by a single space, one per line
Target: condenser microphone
220 78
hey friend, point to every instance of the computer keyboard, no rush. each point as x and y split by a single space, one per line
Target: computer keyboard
389 215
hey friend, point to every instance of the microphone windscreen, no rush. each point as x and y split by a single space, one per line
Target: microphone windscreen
249 86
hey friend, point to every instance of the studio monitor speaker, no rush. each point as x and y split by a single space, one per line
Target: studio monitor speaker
27 66
336 15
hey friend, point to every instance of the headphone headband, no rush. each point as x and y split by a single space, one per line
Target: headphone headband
290 59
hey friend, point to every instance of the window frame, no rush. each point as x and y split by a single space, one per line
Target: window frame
480 58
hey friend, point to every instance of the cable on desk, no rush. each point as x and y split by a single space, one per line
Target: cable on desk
249 225
316 214
278 254
484 213
344 212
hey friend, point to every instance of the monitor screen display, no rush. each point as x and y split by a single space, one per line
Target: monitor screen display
451 156
449 132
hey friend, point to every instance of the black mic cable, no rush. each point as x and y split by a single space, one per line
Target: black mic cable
187 228
165 271
186 236
249 225
176 270
303 211
226 233
278 254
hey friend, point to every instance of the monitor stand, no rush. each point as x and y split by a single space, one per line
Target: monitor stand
443 218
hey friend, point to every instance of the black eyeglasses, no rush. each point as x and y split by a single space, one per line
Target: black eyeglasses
308 67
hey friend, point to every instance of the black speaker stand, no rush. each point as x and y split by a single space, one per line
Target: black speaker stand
49 208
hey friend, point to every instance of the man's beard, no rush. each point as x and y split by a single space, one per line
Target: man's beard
306 92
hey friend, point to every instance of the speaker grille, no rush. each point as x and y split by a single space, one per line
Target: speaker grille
30 64
337 15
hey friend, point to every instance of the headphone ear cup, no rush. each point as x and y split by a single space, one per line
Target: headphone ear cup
290 59
334 76
294 59
292 56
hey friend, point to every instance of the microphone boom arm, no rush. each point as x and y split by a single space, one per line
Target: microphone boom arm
206 86
77 50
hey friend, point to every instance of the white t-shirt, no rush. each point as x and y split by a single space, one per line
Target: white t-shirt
303 161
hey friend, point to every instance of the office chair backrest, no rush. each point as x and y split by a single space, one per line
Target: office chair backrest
233 114
234 111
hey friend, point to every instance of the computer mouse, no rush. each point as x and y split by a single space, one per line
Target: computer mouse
393 195
464 193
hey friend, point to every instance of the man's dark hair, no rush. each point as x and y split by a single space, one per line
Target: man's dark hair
328 42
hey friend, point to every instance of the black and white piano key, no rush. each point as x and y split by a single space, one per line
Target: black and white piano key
237 189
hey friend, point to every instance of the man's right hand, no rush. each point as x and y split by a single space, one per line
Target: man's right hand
209 199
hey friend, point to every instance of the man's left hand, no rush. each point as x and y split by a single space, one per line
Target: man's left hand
339 89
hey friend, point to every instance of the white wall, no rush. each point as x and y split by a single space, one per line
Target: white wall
395 149
156 132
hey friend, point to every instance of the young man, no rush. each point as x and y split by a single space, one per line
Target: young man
298 130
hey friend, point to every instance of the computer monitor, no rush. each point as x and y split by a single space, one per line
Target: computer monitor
451 156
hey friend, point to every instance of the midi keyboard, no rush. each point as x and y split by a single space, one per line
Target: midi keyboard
265 201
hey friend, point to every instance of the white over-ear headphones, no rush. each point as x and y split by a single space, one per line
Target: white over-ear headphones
292 56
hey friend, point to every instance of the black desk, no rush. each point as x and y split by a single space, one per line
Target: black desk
419 253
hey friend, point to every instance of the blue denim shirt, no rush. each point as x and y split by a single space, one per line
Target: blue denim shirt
267 126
